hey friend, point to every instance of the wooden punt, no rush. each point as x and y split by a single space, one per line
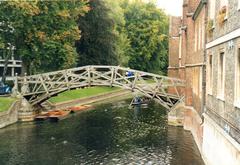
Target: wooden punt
41 117
79 108
57 115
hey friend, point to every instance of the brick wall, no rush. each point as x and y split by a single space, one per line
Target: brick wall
175 24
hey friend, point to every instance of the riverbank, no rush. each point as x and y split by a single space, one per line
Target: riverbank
8 111
10 107
81 94
6 103
61 110
105 95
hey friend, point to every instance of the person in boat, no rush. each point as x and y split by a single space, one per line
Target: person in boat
129 73
137 100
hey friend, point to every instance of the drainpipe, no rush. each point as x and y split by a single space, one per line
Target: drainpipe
204 72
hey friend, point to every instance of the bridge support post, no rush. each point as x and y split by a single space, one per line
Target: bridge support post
112 76
26 112
176 115
24 88
89 76
15 88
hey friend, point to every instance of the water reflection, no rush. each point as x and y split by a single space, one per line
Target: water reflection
136 110
111 134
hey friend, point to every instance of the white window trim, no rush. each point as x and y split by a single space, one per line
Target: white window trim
212 9
236 79
220 94
203 34
237 104
238 5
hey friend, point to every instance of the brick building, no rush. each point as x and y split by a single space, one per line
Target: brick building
186 61
204 50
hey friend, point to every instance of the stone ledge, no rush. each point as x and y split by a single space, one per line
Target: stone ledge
10 116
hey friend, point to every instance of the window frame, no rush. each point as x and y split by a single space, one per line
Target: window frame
237 79
210 74
221 76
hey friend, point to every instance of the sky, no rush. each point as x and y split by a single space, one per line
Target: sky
172 7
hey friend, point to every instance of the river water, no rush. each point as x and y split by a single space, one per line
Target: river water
111 134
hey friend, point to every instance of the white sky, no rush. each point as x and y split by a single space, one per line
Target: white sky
172 7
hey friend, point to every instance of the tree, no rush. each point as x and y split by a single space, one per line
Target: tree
98 44
147 30
123 43
45 31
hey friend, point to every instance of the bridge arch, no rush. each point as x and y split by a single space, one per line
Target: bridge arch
38 88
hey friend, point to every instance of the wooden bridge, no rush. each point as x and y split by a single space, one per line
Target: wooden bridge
38 88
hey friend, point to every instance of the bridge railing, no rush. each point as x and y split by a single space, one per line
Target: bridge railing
38 88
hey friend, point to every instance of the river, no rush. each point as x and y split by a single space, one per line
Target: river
111 134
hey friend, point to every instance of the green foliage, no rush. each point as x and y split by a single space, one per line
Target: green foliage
147 30
44 32
122 42
81 93
5 103
129 34
98 42
107 32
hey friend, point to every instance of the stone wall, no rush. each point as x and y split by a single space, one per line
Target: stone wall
221 137
231 22
218 147
224 107
10 116
218 138
175 24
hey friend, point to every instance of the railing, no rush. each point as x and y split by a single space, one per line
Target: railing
38 88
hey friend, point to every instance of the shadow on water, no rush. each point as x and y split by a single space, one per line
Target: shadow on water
110 134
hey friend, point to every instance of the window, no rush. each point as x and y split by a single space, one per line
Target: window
203 34
221 75
199 35
210 73
212 9
237 79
